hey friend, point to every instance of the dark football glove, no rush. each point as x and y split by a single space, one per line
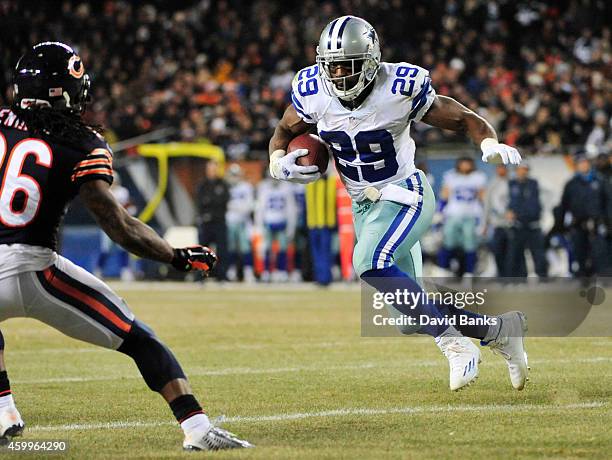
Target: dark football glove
194 258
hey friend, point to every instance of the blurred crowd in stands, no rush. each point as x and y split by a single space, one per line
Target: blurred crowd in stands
539 71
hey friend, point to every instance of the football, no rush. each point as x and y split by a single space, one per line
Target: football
317 151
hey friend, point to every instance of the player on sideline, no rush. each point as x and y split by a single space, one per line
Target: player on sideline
48 155
363 109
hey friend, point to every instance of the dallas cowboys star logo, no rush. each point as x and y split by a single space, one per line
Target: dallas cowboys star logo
371 34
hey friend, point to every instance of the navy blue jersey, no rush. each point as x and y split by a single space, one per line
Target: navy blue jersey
39 177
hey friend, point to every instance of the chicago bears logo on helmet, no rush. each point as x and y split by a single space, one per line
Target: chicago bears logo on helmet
76 67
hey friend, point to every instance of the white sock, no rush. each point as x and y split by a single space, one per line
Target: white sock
198 423
7 402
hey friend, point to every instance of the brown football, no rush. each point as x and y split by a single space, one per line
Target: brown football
317 151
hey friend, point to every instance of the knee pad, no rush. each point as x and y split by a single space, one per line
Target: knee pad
155 361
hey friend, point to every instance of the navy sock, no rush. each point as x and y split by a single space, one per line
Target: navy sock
390 279
476 331
5 385
380 279
185 406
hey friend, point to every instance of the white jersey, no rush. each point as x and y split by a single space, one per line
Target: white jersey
275 205
371 145
241 203
464 190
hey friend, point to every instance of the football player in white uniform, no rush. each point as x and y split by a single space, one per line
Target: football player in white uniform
275 218
463 191
240 223
363 109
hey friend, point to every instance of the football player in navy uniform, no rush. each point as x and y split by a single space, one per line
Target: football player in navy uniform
48 155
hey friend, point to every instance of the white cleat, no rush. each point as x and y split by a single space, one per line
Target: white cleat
215 439
11 424
509 344
463 358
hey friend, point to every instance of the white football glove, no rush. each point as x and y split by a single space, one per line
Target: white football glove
491 148
283 167
392 192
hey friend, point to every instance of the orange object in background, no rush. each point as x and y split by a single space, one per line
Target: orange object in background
290 257
259 254
346 232
259 257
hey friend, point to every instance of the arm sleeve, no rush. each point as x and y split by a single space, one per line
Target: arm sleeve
97 165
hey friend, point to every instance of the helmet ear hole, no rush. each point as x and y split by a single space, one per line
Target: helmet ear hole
370 69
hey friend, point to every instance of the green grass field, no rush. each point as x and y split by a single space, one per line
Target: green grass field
292 375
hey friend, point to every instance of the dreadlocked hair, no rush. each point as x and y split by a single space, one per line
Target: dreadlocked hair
65 127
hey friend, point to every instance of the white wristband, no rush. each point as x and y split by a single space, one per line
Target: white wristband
274 163
277 154
488 142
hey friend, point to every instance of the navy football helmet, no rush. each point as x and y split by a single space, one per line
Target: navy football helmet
51 74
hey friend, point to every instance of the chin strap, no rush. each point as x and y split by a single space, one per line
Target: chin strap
27 103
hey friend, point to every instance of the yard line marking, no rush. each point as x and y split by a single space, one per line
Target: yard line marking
414 410
333 413
207 372
576 360
260 346
239 346
223 371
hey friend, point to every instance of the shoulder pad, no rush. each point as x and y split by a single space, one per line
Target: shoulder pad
413 84
307 94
